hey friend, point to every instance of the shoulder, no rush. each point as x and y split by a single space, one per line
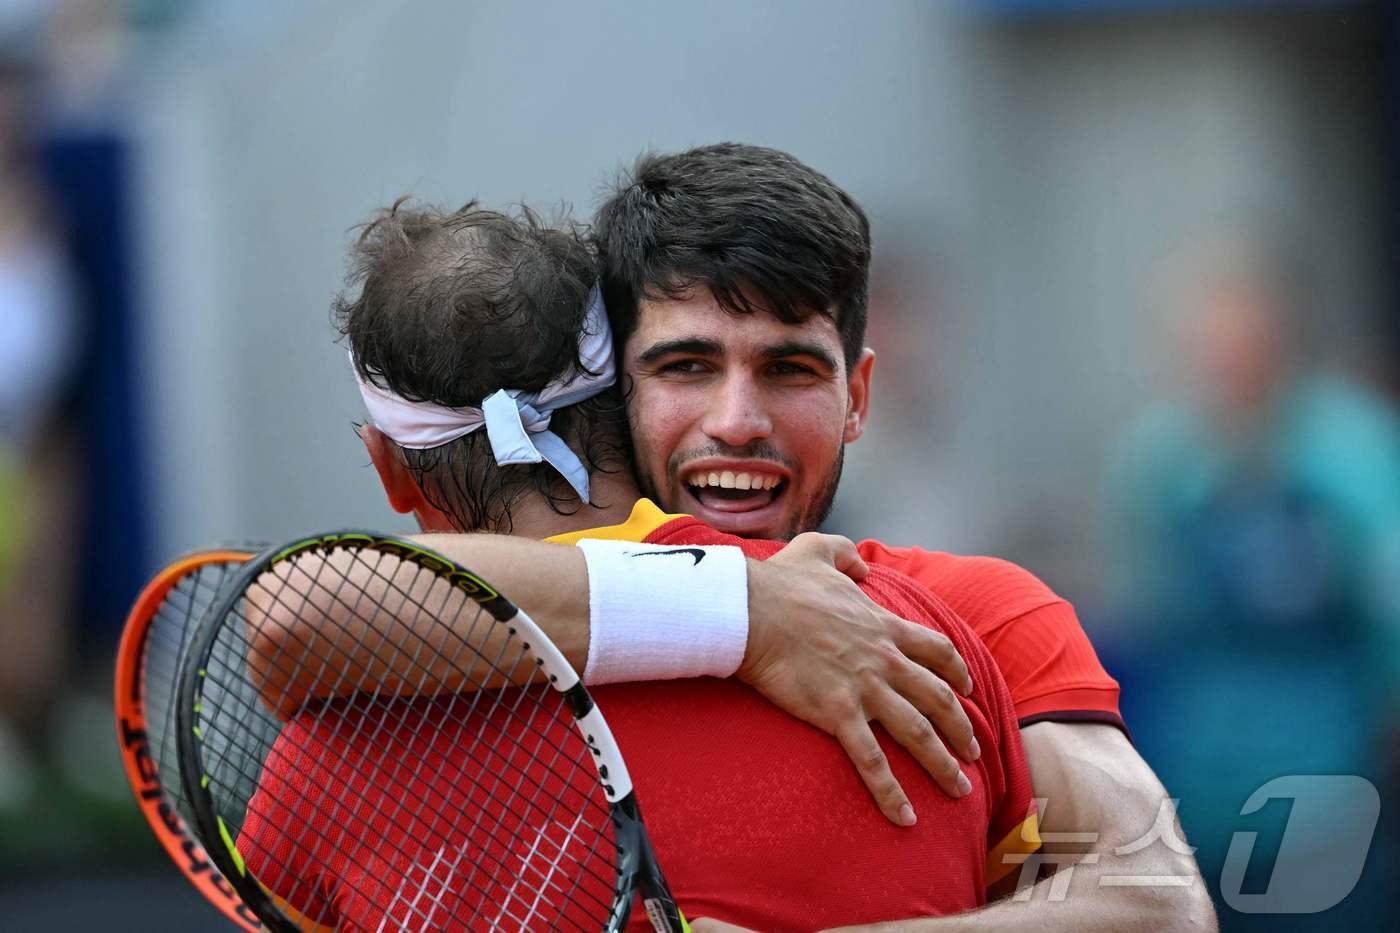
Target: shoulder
1033 634
985 591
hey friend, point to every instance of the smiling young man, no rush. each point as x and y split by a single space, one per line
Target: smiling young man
735 278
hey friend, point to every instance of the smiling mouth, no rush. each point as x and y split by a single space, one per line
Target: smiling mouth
731 491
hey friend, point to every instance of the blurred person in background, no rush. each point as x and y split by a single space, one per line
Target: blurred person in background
37 453
69 418
1257 513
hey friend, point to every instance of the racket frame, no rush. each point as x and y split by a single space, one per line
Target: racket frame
134 736
637 867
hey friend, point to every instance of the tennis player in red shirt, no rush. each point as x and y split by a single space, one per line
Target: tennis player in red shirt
736 279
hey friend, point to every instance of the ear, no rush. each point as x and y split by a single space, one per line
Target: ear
858 395
403 493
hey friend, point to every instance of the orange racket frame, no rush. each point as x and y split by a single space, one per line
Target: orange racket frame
133 736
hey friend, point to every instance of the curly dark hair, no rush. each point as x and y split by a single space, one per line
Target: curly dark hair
450 307
758 228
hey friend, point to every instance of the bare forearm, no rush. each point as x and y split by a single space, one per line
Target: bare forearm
305 612
548 581
1074 900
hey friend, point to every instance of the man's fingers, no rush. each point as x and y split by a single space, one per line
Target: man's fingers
935 651
874 768
837 550
911 729
847 559
938 705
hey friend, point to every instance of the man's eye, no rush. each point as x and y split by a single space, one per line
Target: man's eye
790 369
682 368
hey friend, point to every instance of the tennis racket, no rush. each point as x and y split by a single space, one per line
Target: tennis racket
156 634
385 803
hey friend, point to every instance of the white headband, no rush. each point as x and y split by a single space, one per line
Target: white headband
511 417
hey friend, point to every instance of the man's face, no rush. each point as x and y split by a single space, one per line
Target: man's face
740 419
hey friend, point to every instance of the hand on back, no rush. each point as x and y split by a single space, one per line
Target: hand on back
823 651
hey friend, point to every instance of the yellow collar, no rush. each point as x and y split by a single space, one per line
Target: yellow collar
646 517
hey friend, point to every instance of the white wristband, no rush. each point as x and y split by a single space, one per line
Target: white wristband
659 612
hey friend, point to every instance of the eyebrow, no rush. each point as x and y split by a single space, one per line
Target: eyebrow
700 346
802 348
696 346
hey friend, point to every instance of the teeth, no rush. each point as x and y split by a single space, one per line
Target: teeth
731 480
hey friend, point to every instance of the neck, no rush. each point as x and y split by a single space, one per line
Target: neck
613 496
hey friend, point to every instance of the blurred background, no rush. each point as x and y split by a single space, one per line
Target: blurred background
1134 302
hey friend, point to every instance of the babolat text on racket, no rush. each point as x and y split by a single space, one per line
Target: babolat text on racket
449 771
157 633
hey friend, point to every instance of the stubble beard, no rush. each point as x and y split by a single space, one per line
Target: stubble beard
819 509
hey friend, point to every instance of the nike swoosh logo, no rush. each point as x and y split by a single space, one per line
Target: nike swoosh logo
694 552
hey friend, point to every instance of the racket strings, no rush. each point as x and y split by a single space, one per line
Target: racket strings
437 805
338 660
512 674
366 686
337 842
167 639
552 818
538 846
497 664
426 682
336 818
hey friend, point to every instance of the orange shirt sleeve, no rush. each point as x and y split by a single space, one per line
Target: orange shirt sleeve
1034 636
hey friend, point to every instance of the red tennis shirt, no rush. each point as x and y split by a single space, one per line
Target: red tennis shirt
1034 635
757 818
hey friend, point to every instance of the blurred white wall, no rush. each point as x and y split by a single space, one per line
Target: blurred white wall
1027 176
267 140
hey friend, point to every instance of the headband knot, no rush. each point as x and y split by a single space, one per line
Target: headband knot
517 423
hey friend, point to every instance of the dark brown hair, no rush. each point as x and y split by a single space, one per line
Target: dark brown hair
450 307
759 229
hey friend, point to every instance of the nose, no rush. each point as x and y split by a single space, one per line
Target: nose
737 413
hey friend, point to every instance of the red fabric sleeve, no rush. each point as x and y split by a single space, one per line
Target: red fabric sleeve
1034 635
